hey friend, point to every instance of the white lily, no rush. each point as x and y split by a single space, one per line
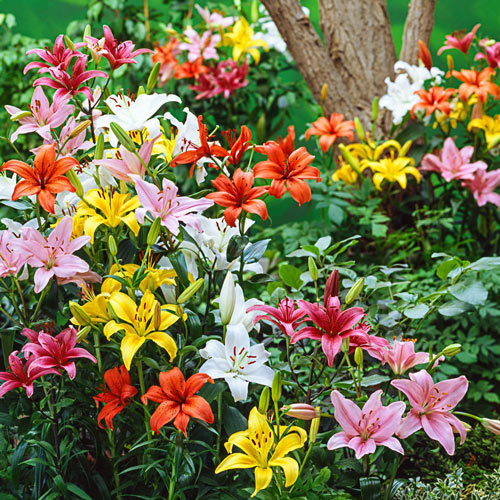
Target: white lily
227 299
237 362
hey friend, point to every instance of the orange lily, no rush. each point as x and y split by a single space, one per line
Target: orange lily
190 69
330 129
433 99
476 82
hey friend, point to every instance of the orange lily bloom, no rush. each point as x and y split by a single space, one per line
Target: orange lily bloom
190 69
177 400
287 143
433 99
424 55
330 129
287 173
476 82
238 195
45 179
238 146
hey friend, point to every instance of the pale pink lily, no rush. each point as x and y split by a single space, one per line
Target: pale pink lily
453 163
166 204
53 255
203 46
459 40
431 406
214 19
44 116
95 47
402 356
11 261
365 429
483 186
129 164
55 352
70 145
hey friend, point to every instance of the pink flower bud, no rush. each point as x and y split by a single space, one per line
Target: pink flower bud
301 410
491 425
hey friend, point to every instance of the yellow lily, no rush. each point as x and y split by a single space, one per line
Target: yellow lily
114 208
140 323
370 151
154 278
241 39
257 443
459 112
162 145
393 169
491 127
345 173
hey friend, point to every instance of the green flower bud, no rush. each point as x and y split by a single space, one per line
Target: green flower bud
69 42
153 77
349 158
355 290
154 232
359 128
79 313
190 291
87 31
21 114
82 334
73 178
452 350
141 90
344 346
123 137
324 92
313 269
313 430
99 148
358 356
264 400
375 109
277 386
113 249
80 128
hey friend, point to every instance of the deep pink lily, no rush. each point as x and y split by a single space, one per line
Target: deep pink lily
11 261
491 54
56 352
483 185
375 346
22 375
331 325
459 40
431 406
364 430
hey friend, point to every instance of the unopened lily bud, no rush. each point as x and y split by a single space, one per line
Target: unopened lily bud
154 232
359 128
190 291
87 31
99 148
112 312
69 42
350 159
254 11
122 137
424 55
79 128
303 411
141 90
277 386
153 77
324 92
261 128
264 400
313 269
344 346
449 61
20 115
355 290
358 356
375 109
227 299
156 315
467 426
81 316
491 425
452 350
113 249
73 178
313 430
82 334
332 286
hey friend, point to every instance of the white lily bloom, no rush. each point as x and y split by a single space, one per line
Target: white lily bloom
7 186
237 362
15 227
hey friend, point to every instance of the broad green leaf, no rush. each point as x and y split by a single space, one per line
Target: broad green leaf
416 312
290 275
469 291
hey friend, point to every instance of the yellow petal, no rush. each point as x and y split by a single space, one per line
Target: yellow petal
290 442
262 479
413 171
401 178
255 55
166 341
260 432
131 221
167 319
110 285
91 224
241 440
233 438
124 307
377 180
236 461
129 346
111 328
290 468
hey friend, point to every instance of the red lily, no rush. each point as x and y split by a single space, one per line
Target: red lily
238 146
476 82
287 173
459 40
178 401
45 179
433 99
330 129
115 398
238 195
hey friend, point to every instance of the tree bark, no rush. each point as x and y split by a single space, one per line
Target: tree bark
418 26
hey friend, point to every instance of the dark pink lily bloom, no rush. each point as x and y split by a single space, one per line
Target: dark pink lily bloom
483 186
286 317
69 86
491 54
459 40
375 346
60 56
431 406
22 376
331 325
56 352
365 429
116 53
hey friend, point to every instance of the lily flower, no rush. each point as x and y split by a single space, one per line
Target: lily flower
483 185
214 20
238 195
116 394
203 46
56 352
431 406
241 38
167 57
436 98
148 321
491 127
262 452
11 260
401 357
364 430
375 346
190 69
237 146
453 163
117 53
476 82
45 179
96 47
22 376
459 40
178 401
393 169
167 205
492 54
330 129
345 173
237 362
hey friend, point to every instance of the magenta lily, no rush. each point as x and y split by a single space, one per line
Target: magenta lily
453 163
364 430
129 164
286 317
166 204
402 356
44 116
331 325
483 185
459 40
11 261
491 54
375 346
53 255
431 407
55 352
22 375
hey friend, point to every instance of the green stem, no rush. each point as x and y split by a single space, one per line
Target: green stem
143 391
40 301
475 417
219 425
116 474
97 342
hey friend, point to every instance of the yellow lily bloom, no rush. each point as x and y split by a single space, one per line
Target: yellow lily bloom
162 145
257 443
491 127
345 173
154 279
370 151
140 323
459 112
393 169
241 39
114 208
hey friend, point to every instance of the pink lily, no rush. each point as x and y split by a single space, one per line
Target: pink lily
402 356
22 376
459 40
166 204
44 117
483 186
453 163
68 86
203 46
214 19
70 146
492 54
59 56
53 255
129 164
375 346
56 352
431 406
11 261
364 430
331 325
117 53
286 317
